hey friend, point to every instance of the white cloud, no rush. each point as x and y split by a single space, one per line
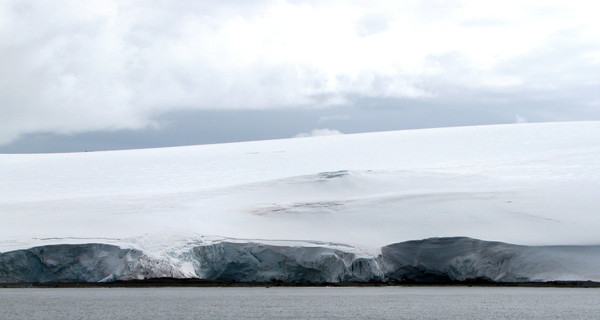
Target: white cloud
318 132
520 119
72 66
335 117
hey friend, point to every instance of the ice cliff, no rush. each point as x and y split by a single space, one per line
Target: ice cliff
430 260
260 263
460 259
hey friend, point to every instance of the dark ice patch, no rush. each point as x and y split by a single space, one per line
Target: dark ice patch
333 174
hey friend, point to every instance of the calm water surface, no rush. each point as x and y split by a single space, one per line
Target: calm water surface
301 303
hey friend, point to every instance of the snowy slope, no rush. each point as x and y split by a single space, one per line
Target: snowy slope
526 184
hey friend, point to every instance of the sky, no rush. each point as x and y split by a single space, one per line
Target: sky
104 75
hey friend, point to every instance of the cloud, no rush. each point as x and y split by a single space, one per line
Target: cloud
318 132
520 119
76 66
335 117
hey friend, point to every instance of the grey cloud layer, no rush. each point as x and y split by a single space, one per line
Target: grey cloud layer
70 67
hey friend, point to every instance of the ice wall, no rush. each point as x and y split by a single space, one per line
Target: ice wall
430 260
460 259
260 263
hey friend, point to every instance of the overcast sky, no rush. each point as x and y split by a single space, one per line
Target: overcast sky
98 75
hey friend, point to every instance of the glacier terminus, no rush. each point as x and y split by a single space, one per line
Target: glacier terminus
499 203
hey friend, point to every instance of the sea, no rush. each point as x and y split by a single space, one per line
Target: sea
300 303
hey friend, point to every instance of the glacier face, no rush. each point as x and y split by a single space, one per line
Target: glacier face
432 260
460 259
255 262
67 263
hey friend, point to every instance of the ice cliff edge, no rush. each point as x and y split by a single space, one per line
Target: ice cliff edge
434 260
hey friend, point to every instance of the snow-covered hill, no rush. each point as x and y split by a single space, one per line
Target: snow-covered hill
526 184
